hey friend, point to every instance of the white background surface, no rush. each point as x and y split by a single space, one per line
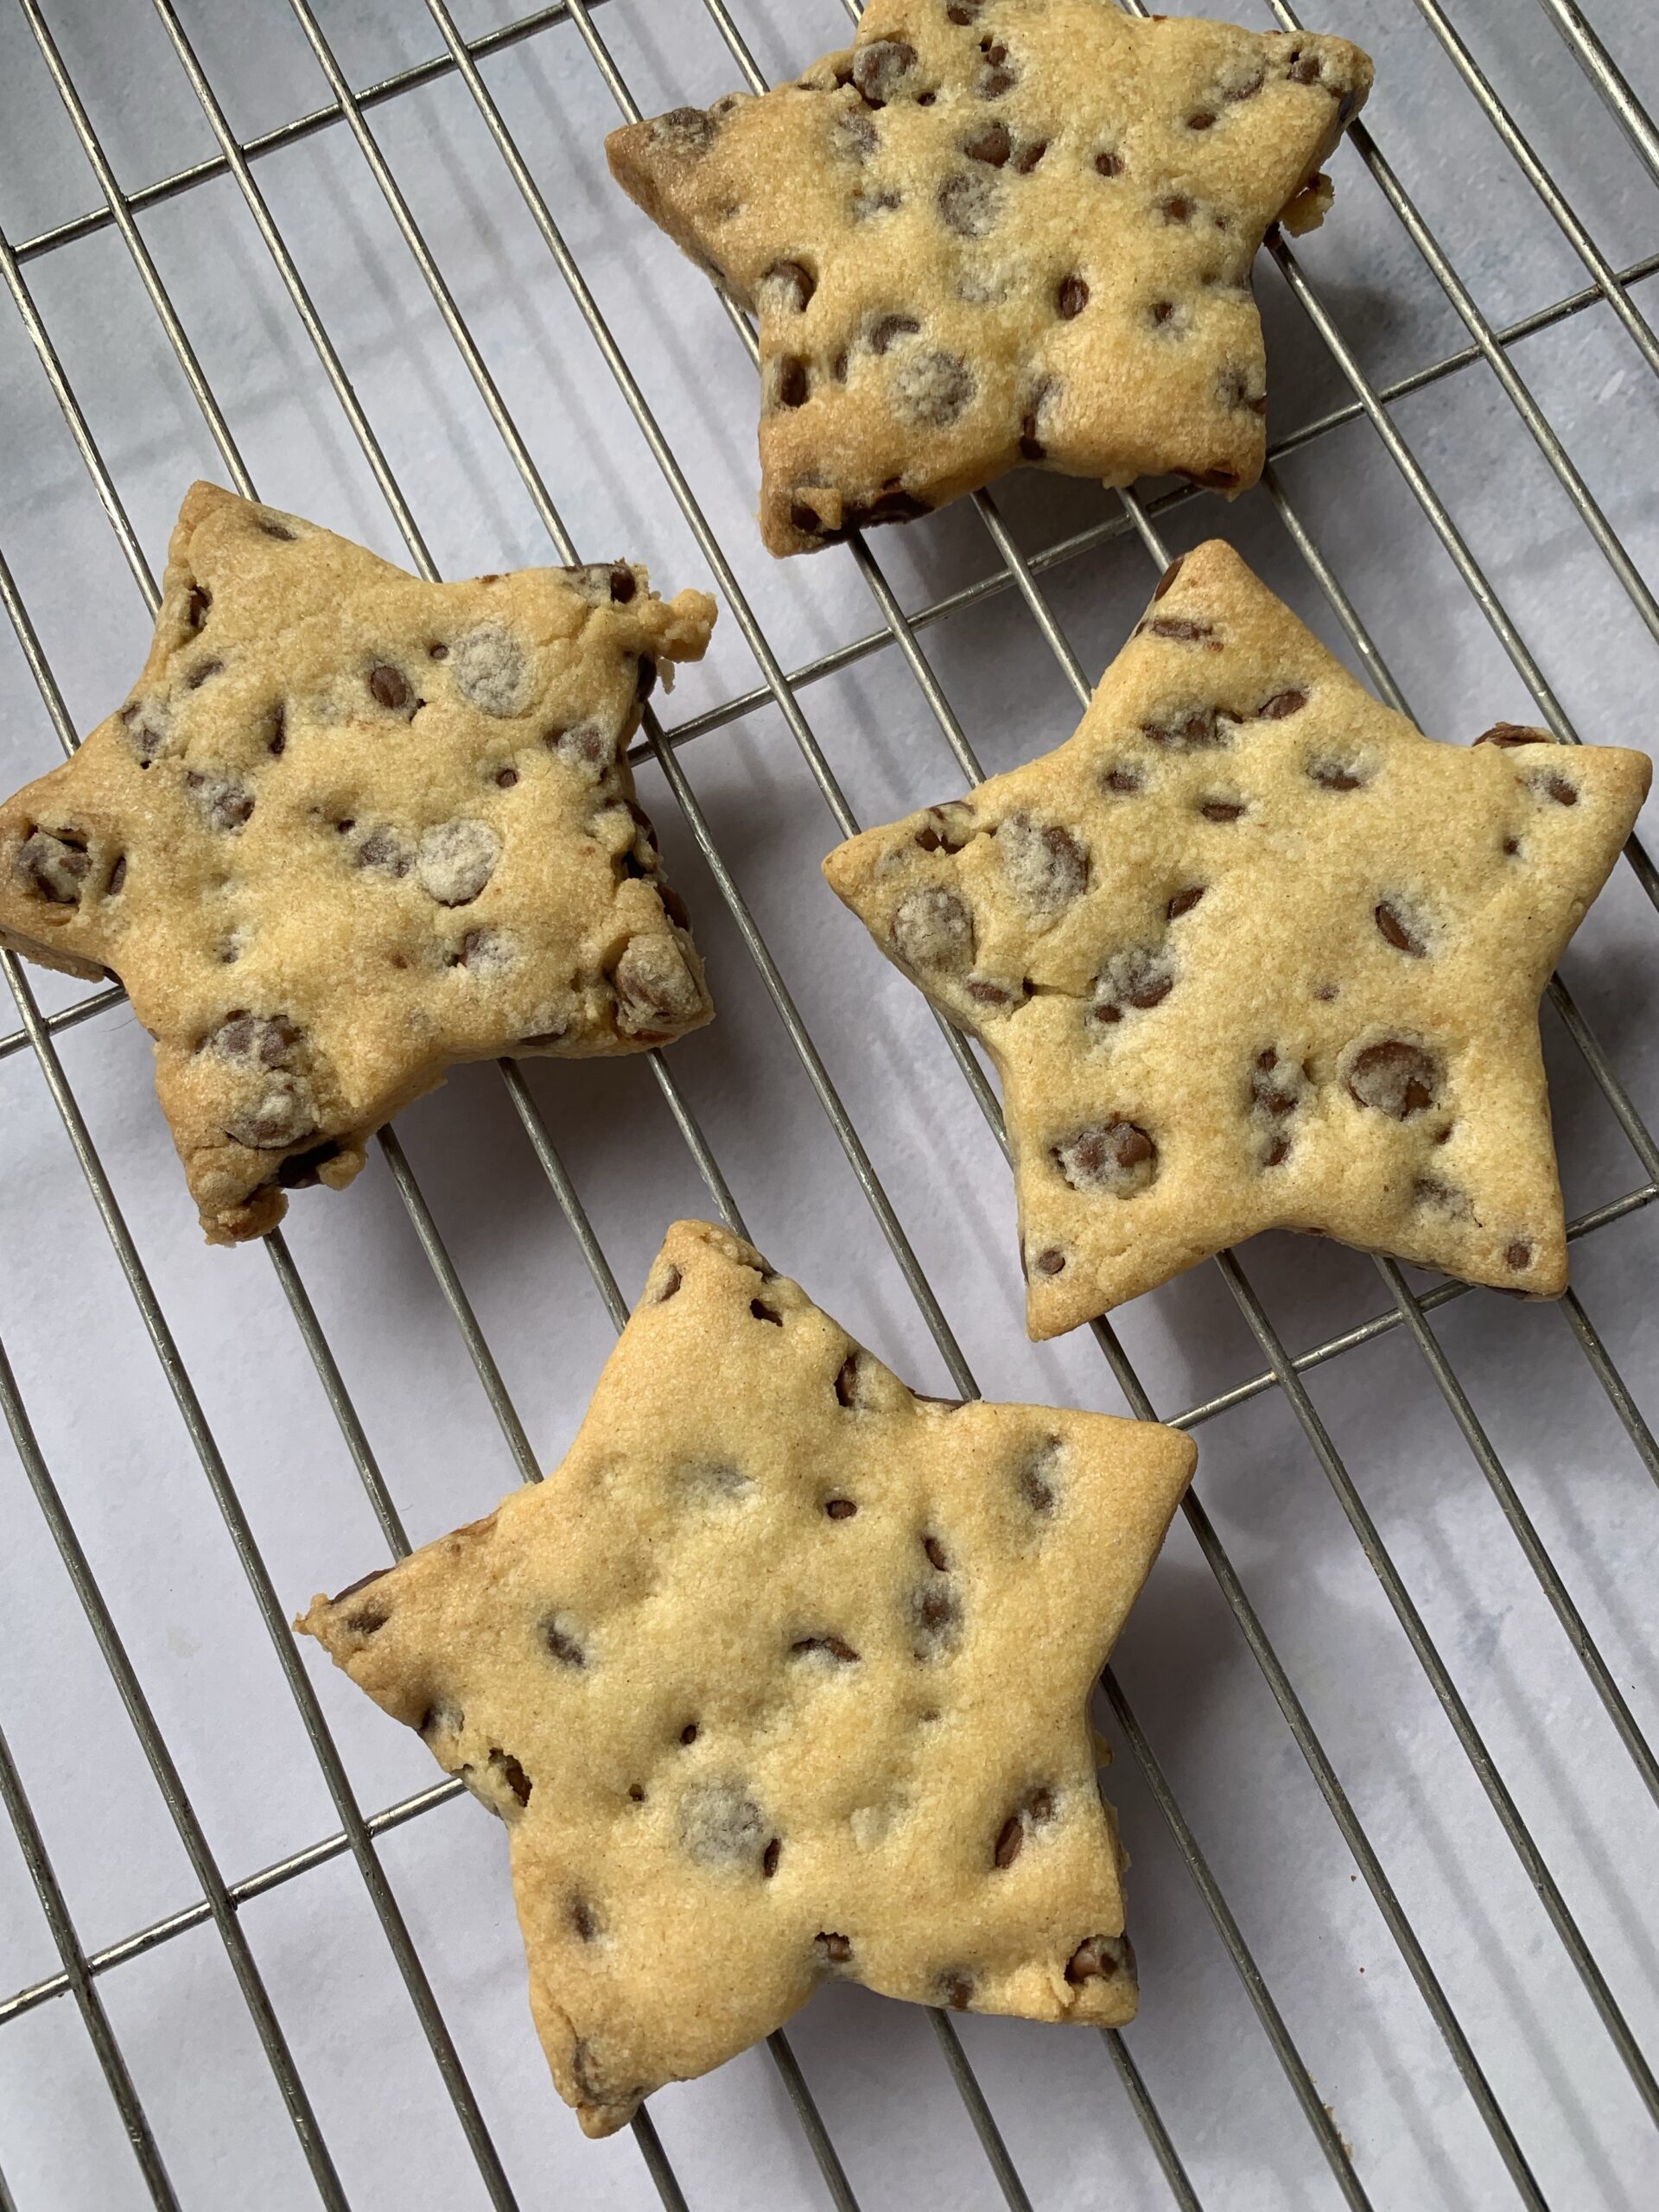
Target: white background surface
133 1486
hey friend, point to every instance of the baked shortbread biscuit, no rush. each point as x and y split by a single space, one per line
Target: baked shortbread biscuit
351 828
781 1676
1249 951
996 231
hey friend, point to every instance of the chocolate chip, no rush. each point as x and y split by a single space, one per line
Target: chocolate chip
968 203
1029 155
1122 781
789 381
645 681
1395 1078
956 1989
253 1041
1100 1957
144 724
382 848
299 1171
762 1311
584 1920
687 130
636 1795
881 67
963 11
654 984
1184 901
513 1774
117 877
490 668
1050 1262
1182 629
932 387
996 77
367 1619
787 286
1517 1255
1162 310
936 1619
827 1647
1511 733
196 677
1176 209
361 1583
887 327
1213 480
834 1950
935 1551
1010 1841
1560 790
454 861
1332 776
939 833
991 145
1038 1475
1047 866
226 801
1221 810
1280 704
562 1645
1108 163
770 1857
689 1733
272 528
1304 68
1202 120
671 1283
388 686
847 1381
52 866
857 138
1118 1157
1072 298
719 1822
840 1509
1142 976
933 929
1398 931
1207 729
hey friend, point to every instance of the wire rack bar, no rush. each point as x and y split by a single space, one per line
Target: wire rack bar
1608 79
1561 209
95 2020
1015 569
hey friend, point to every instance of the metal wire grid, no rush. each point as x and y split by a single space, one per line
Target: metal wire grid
80 1973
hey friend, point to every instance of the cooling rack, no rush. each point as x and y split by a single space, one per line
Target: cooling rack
1388 1723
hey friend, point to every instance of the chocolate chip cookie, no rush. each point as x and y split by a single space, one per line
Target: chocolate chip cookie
351 827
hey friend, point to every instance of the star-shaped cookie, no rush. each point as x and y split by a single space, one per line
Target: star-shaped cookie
781 1676
997 231
1249 952
351 827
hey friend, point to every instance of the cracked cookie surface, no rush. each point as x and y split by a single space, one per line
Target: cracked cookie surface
1002 231
351 827
781 1675
1251 951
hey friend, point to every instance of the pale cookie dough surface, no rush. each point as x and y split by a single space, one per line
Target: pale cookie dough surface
781 1675
351 828
1249 951
996 231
